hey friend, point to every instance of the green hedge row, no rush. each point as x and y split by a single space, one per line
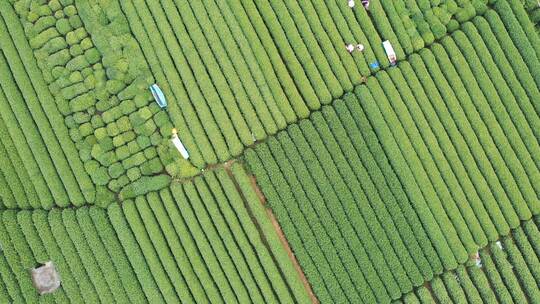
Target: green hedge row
289 39
268 233
518 82
142 266
506 275
524 170
306 193
369 148
193 260
191 109
218 96
393 222
456 111
527 41
150 255
512 101
408 137
267 82
443 152
438 235
267 55
158 242
336 32
446 129
15 114
262 116
78 184
503 158
71 240
364 213
294 224
321 48
226 236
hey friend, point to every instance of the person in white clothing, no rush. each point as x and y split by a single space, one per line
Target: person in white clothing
351 3
350 47
365 3
360 47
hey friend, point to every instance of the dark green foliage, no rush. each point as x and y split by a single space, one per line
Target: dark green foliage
144 185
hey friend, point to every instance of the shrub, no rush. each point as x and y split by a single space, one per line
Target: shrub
73 91
118 141
59 14
129 136
127 107
59 58
133 174
106 144
151 167
70 10
71 38
141 100
144 185
92 55
150 153
75 135
63 26
55 45
115 86
42 38
41 25
122 152
133 147
100 133
116 170
77 63
55 5
112 129
90 82
86 129
134 160
86 43
112 115
466 13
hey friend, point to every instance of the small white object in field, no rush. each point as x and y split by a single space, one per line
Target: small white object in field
351 3
389 52
365 3
45 278
178 144
350 47
499 244
478 260
360 47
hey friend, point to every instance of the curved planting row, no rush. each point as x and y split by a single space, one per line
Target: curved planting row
509 273
423 165
200 244
30 117
239 71
95 81
85 251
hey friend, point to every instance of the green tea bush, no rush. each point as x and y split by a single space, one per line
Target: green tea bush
134 253
151 167
144 185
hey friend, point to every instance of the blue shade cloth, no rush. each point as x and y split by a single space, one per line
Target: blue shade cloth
374 65
158 96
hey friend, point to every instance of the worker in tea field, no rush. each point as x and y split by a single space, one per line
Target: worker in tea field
351 3
351 47
365 3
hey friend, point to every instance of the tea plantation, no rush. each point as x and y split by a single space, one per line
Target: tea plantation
267 151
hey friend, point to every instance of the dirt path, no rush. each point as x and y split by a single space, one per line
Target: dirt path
283 239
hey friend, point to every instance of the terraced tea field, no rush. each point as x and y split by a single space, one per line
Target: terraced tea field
336 151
